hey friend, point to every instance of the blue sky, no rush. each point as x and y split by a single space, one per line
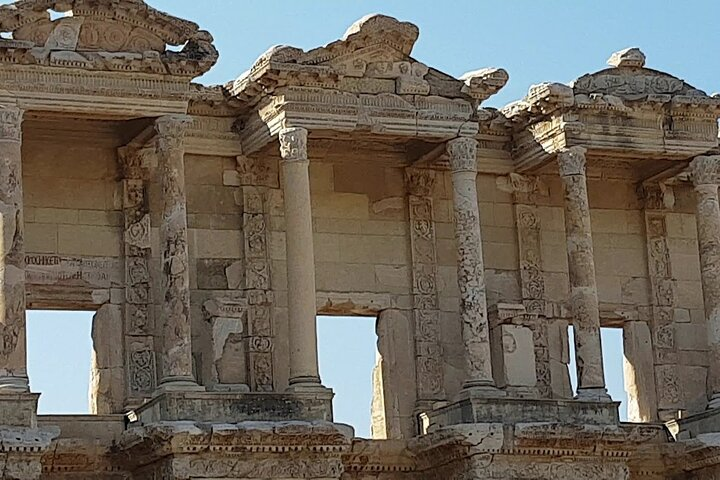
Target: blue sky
534 41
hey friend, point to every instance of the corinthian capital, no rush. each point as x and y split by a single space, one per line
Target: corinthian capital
293 144
705 170
463 154
171 130
572 161
11 118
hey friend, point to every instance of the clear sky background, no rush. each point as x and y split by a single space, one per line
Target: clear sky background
535 41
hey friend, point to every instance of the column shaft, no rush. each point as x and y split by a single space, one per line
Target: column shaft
177 373
471 271
13 361
705 176
300 259
581 268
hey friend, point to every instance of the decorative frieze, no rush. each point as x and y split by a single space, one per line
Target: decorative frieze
138 304
426 311
259 338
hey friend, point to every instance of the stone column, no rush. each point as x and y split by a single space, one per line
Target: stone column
471 271
13 361
705 172
302 307
176 354
581 267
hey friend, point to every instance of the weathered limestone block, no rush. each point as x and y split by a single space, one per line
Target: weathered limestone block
559 353
514 359
13 362
107 382
394 394
639 368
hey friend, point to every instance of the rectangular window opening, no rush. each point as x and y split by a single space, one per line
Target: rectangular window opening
59 352
613 358
347 350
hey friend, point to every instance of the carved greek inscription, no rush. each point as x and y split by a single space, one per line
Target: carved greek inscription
72 271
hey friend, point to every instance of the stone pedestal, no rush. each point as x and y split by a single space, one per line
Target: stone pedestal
13 361
176 355
583 286
302 309
471 271
705 177
216 407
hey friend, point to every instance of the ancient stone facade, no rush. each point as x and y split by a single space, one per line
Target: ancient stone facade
208 226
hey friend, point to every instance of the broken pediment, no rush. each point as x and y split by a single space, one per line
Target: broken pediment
373 57
114 35
629 80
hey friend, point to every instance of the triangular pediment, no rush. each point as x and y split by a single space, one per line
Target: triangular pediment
372 58
115 35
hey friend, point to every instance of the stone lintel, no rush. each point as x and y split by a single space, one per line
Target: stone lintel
512 411
234 407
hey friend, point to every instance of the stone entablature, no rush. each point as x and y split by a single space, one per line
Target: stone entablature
208 226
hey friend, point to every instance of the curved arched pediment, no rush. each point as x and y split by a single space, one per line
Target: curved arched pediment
124 35
628 79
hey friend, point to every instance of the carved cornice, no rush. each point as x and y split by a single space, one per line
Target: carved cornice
572 161
293 145
705 170
463 154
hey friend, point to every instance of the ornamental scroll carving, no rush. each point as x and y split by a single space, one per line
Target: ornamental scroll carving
429 370
662 285
259 340
532 278
138 302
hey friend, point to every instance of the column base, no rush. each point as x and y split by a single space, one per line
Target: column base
473 390
593 395
178 384
230 387
14 385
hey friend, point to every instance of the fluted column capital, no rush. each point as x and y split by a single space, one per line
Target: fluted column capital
705 170
572 161
463 154
293 144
